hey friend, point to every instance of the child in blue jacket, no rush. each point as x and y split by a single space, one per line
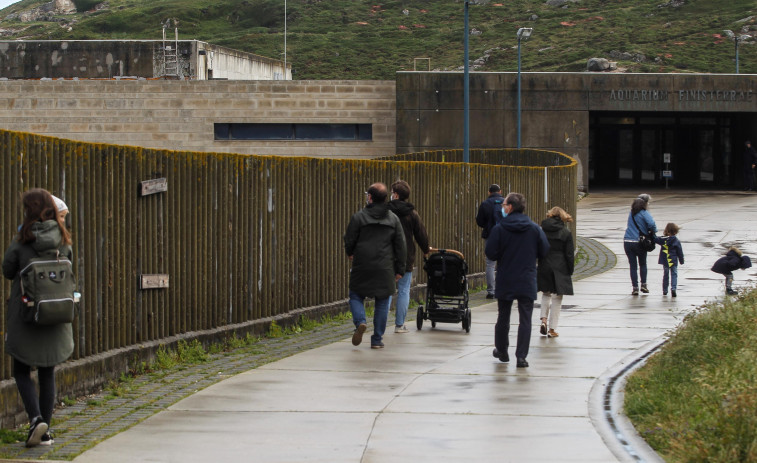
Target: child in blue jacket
671 253
733 260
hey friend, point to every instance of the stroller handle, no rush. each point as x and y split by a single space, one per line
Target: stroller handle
444 251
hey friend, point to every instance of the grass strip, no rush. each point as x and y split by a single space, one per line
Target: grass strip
696 399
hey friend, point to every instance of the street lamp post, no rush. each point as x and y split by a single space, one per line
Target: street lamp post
736 39
523 34
466 91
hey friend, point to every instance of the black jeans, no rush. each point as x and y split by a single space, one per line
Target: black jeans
502 328
43 404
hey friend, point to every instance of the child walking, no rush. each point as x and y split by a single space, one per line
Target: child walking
671 253
733 260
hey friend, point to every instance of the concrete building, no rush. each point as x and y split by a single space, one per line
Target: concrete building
146 59
624 129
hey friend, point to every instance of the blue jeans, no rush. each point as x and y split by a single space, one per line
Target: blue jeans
403 298
491 275
634 253
380 314
669 274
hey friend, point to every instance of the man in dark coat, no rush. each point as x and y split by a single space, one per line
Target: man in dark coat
515 243
750 162
375 243
413 227
489 214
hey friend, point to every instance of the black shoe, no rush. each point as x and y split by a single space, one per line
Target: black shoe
644 288
357 336
37 429
731 292
490 296
522 363
543 329
502 356
47 439
673 292
379 345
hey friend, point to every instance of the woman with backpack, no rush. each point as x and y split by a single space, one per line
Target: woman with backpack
639 221
30 344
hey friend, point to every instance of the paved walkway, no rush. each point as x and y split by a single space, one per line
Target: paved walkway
433 395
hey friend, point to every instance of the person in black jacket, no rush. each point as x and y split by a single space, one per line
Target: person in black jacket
375 243
750 162
733 260
515 244
413 227
489 214
553 275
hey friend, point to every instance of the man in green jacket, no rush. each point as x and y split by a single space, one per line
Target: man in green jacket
375 243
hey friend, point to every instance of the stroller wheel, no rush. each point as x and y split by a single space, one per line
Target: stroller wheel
467 321
419 318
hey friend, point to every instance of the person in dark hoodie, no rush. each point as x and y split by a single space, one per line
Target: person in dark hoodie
515 244
413 227
671 253
733 260
553 275
488 215
375 243
28 344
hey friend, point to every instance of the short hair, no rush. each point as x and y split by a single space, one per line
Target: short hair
671 229
494 188
559 212
402 189
638 205
377 192
645 197
517 201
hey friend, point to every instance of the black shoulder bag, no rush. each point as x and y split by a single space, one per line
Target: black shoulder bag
646 240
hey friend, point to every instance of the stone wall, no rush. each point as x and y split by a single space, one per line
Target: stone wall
180 114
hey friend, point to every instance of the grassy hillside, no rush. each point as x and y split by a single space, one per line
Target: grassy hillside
359 39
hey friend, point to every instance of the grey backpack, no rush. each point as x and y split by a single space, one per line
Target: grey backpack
47 290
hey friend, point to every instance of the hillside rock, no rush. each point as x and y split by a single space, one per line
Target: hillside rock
626 56
45 11
598 65
560 2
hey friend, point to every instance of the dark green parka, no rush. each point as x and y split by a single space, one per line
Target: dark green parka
554 271
376 242
37 346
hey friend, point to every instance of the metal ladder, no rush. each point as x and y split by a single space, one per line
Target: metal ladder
171 55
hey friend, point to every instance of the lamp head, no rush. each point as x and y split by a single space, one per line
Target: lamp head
524 33
729 33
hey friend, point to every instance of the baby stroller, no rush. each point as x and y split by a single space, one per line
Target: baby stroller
447 290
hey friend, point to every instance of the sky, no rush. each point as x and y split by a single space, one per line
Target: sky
4 3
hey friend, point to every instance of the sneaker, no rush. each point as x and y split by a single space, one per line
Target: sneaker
673 292
502 356
731 292
401 329
522 363
379 345
552 334
635 291
47 439
36 430
644 288
357 336
490 296
543 329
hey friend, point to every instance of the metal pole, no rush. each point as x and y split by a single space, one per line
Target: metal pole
736 41
466 94
518 92
285 39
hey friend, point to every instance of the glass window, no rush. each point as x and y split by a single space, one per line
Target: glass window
278 131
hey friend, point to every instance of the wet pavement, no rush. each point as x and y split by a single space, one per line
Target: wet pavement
434 394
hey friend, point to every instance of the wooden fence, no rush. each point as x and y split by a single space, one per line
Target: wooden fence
240 238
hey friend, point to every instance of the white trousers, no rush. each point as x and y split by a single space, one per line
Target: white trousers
550 308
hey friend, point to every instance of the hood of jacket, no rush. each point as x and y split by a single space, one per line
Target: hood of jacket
401 208
516 222
552 224
47 234
377 211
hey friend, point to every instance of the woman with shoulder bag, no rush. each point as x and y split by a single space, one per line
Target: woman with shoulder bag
639 221
29 344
